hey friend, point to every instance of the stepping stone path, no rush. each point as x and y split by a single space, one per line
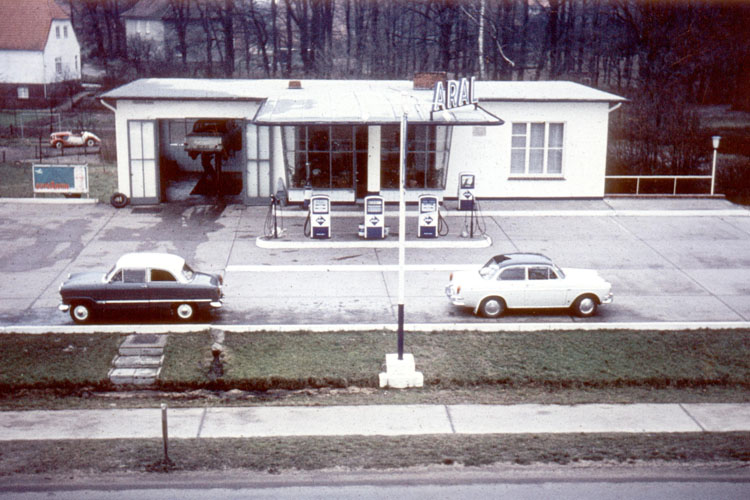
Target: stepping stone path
139 360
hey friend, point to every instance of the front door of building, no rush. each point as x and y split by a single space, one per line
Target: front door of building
144 168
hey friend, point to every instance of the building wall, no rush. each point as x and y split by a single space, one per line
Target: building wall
66 48
22 66
489 155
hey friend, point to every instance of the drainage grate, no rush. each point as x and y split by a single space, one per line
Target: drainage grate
146 210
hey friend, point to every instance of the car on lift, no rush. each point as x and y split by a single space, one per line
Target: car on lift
213 136
142 283
75 138
527 281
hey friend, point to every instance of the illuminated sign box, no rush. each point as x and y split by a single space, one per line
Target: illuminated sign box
65 179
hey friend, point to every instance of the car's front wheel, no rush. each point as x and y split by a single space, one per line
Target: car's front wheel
90 143
81 313
58 145
585 306
492 307
185 311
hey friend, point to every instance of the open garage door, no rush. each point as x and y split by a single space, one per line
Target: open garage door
201 159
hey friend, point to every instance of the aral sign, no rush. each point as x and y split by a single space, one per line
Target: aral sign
454 94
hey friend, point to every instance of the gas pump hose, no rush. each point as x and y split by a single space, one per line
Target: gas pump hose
306 227
442 224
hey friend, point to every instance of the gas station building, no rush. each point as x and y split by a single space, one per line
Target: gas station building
341 138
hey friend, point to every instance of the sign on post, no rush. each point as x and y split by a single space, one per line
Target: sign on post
65 179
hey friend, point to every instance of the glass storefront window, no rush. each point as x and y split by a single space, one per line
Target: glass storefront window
326 155
426 156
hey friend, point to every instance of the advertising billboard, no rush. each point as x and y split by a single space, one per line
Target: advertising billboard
64 179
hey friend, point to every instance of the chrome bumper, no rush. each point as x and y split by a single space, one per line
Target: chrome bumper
608 299
453 296
64 307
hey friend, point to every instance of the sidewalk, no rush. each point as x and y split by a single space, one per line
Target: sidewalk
373 420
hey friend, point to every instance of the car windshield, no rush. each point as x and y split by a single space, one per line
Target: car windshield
187 272
110 274
560 273
489 269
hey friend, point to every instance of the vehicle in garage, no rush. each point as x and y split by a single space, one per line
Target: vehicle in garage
527 281
213 136
75 138
142 282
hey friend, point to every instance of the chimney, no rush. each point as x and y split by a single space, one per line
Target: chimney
427 80
295 84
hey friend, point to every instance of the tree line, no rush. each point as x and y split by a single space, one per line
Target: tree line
666 56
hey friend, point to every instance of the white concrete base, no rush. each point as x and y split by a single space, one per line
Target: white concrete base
400 373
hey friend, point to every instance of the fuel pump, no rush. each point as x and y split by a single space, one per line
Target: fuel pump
428 216
374 217
466 184
320 216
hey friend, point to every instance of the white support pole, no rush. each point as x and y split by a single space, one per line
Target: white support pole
715 142
401 237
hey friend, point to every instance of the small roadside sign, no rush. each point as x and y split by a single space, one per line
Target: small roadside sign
65 179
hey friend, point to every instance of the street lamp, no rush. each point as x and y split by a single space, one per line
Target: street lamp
715 140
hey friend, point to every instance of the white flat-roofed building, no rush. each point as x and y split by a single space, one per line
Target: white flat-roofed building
342 137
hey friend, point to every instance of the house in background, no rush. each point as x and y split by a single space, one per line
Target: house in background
145 26
39 53
166 30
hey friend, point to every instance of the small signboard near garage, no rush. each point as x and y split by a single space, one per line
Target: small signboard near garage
64 179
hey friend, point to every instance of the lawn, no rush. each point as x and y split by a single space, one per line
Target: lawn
577 366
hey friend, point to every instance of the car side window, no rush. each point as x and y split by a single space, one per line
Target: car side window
134 275
539 273
117 278
161 275
513 274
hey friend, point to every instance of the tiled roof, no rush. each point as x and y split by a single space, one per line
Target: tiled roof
148 9
25 25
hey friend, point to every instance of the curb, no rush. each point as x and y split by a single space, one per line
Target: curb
495 327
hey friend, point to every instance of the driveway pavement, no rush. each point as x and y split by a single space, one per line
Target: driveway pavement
671 261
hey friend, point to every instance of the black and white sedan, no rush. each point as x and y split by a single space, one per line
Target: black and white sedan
142 283
527 281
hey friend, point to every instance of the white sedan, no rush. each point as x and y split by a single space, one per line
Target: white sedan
527 281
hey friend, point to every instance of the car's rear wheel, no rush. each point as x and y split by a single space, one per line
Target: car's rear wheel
492 307
58 145
585 306
185 311
81 312
90 143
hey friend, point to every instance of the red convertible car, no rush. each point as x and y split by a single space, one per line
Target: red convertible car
75 138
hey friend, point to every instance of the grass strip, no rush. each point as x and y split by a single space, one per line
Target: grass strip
358 452
553 359
297 361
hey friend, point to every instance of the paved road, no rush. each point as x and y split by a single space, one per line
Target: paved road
668 260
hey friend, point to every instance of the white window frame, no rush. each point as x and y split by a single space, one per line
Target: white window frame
23 92
546 149
58 65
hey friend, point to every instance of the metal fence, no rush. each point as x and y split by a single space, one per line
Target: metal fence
658 184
